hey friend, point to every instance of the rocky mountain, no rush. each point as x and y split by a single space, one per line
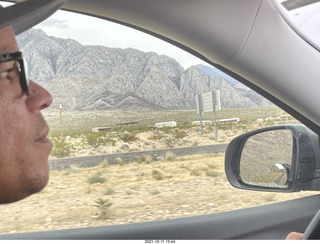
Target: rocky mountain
210 70
100 78
244 90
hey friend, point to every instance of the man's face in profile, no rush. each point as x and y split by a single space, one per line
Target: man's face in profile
24 146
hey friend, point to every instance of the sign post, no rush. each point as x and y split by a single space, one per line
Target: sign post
209 102
199 99
215 102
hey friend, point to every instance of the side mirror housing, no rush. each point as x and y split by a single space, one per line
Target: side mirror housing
284 158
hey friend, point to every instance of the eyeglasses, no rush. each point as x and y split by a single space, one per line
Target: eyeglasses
22 69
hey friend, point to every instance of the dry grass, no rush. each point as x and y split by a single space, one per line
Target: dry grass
132 193
141 191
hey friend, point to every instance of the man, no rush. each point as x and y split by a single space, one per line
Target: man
24 146
294 236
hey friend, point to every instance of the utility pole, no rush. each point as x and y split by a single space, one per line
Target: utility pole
61 124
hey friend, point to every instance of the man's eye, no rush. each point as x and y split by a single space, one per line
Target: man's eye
4 74
8 74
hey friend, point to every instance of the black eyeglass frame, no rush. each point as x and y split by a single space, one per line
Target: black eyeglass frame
24 79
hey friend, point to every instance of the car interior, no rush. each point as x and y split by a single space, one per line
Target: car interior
254 42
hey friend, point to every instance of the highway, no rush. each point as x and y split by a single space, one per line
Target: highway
157 155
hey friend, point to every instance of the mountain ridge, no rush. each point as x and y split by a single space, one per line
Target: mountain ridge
97 78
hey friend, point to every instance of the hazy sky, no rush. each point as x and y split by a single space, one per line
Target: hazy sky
92 31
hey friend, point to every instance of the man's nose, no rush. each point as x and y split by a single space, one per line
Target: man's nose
39 98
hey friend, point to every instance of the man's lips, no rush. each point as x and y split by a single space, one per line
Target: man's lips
42 137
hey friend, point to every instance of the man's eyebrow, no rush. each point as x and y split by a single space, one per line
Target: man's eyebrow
5 51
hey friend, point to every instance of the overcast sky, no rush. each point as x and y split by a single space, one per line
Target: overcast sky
92 31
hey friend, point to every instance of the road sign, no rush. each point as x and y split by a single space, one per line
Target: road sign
209 102
206 101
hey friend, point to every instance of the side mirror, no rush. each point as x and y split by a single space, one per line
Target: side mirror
284 158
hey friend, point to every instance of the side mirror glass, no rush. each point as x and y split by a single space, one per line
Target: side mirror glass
281 158
279 174
266 159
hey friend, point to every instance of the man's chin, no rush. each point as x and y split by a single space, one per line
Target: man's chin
28 188
35 184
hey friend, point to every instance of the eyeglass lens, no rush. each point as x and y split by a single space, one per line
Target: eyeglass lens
24 79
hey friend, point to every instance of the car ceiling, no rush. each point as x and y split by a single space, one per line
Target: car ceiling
248 39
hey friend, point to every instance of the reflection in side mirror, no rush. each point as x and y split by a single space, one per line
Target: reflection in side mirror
264 156
282 158
279 174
